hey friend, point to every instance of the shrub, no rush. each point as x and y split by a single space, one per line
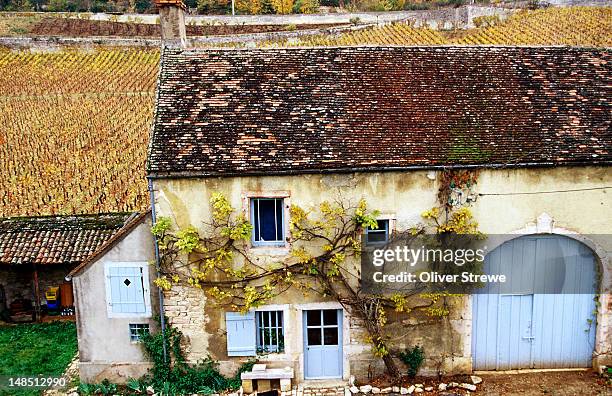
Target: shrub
413 358
173 376
103 388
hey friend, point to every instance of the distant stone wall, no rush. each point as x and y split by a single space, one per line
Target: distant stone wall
440 19
448 17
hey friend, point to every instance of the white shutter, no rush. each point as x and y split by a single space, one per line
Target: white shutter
127 289
240 334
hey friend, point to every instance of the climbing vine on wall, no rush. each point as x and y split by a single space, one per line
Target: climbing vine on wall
323 258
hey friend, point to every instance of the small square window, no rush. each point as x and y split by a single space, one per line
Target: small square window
137 330
378 235
267 217
270 334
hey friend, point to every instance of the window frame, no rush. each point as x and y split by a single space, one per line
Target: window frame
273 248
388 231
135 337
144 266
259 347
283 238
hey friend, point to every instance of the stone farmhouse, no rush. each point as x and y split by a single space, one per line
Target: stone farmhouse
274 127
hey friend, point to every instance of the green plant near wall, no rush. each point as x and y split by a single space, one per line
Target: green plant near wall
413 359
172 375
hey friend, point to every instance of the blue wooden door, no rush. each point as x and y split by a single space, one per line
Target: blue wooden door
544 316
323 343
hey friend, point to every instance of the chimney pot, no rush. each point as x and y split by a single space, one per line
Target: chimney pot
172 22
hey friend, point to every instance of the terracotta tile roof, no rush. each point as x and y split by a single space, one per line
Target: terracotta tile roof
56 239
230 112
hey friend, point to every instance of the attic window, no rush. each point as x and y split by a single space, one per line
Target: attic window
379 234
268 219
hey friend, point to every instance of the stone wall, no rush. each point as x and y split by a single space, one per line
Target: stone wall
403 196
202 323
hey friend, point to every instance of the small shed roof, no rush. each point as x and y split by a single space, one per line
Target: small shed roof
52 240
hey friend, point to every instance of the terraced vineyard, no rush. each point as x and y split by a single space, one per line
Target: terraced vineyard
584 26
74 132
74 125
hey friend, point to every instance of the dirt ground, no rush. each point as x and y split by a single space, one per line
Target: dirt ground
553 383
561 383
86 28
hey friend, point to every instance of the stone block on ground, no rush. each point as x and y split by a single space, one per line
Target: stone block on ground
247 386
285 385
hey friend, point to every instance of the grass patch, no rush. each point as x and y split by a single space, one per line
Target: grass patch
32 349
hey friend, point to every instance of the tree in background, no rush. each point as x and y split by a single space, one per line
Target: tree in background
282 6
306 6
213 6
17 5
249 6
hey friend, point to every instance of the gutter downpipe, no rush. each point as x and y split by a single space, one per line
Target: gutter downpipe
162 314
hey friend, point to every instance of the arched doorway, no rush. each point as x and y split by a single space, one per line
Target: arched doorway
545 316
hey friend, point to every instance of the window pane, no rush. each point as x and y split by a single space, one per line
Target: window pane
280 235
380 234
377 237
313 318
330 317
273 317
330 336
281 340
270 332
137 329
267 220
314 336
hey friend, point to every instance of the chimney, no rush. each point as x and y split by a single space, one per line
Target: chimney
172 22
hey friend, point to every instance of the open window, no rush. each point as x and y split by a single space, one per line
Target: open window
268 219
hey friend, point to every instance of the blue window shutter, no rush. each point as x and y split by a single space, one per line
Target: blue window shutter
240 334
127 292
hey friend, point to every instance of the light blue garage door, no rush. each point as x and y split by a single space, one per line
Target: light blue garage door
544 316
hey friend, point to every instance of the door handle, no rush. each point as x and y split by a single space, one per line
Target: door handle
529 338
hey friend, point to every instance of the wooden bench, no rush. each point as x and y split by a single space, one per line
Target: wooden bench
263 378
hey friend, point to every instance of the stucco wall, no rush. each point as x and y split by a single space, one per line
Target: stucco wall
105 349
404 196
